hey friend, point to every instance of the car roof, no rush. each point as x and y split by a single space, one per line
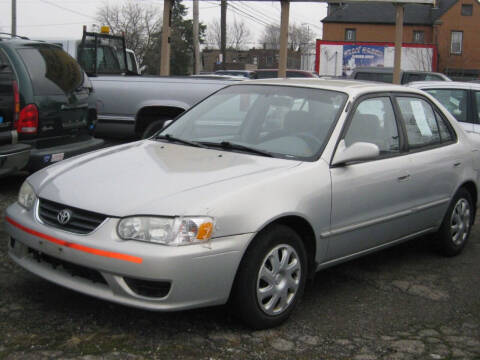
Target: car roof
352 87
444 84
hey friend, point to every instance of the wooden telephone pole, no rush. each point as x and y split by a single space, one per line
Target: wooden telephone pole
165 51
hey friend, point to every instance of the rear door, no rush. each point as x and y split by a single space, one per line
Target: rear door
59 89
6 93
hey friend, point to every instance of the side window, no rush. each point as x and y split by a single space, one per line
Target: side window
454 100
374 122
446 133
420 122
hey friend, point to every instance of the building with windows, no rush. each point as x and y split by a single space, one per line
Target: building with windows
453 26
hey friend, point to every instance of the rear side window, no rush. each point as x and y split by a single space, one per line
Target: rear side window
477 100
420 122
454 100
52 70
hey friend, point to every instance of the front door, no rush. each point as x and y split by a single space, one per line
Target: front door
370 199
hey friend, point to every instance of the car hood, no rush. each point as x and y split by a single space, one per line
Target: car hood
146 177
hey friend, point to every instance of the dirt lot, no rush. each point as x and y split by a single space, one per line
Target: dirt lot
403 303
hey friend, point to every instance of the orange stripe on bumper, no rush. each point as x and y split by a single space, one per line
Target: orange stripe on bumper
86 249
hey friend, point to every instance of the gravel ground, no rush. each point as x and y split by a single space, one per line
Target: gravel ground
406 302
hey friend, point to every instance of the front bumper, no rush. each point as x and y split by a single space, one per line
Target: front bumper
198 275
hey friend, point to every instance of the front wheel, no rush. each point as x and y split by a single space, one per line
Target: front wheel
271 278
455 229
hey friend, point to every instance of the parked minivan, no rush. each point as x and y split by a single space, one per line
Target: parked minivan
44 98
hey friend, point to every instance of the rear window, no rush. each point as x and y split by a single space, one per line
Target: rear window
52 70
381 77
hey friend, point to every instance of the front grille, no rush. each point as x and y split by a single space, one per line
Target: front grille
81 221
73 269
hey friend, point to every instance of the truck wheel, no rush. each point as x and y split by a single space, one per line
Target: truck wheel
455 229
271 278
153 128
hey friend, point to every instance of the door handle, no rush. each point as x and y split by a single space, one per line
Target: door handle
457 164
404 178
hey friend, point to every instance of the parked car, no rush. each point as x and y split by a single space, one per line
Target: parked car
291 73
385 74
461 99
249 74
225 204
43 105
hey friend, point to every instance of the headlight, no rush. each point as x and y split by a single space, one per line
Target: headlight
26 196
168 231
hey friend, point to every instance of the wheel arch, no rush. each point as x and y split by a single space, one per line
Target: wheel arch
148 114
470 186
302 227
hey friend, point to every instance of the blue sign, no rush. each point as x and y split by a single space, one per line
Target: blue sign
361 55
1 119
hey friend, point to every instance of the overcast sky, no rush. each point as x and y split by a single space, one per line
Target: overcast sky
63 19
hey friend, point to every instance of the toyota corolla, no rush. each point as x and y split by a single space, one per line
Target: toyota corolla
247 194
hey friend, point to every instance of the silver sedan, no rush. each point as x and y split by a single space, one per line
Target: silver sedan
249 193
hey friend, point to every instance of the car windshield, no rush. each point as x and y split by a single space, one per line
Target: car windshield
283 121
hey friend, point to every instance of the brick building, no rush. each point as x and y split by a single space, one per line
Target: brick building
452 25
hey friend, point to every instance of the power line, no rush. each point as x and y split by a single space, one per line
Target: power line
66 9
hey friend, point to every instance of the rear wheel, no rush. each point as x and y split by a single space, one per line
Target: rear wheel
271 278
455 230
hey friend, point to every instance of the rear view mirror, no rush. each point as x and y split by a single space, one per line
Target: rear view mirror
358 151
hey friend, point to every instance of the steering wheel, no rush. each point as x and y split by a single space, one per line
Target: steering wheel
311 140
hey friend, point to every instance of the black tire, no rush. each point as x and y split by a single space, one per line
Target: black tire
152 128
244 303
449 241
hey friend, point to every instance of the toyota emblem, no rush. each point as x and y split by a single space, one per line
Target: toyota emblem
64 216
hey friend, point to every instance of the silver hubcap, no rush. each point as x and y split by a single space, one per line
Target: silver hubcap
278 279
460 221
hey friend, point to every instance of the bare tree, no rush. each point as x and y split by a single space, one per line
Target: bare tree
238 35
139 23
299 37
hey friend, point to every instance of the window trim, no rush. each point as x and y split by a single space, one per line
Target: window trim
435 109
451 43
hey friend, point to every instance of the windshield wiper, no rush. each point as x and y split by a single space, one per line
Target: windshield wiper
234 146
171 138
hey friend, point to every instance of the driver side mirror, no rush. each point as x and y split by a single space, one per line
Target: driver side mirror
358 151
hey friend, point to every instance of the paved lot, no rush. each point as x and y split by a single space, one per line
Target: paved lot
403 303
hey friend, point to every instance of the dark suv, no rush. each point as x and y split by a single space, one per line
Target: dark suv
43 106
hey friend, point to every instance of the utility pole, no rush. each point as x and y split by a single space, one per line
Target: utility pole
398 43
223 31
282 63
196 39
165 51
14 17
